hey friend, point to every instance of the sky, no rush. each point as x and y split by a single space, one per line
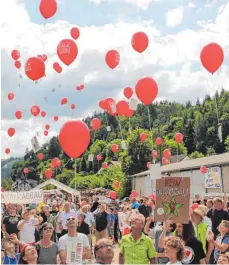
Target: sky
177 31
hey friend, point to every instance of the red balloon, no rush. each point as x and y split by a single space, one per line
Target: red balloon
48 173
35 68
56 162
75 33
40 156
52 166
150 204
114 148
46 133
167 153
129 112
148 165
73 106
11 132
203 169
17 64
10 96
128 92
134 193
56 118
113 195
64 101
140 42
104 165
146 90
154 154
95 124
195 206
48 8
7 151
43 113
15 54
179 138
122 108
26 170
2 189
83 203
110 106
112 58
47 126
165 161
57 68
143 137
74 138
35 110
101 104
80 87
212 57
117 184
18 114
67 51
99 157
158 141
44 57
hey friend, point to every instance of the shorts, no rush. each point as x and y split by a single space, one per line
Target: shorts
110 231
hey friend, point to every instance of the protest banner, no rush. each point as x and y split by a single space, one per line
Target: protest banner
24 197
213 178
173 197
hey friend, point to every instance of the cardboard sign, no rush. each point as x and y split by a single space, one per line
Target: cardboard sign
35 144
24 197
173 197
213 178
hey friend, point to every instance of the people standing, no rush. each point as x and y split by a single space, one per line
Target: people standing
64 216
101 223
136 247
144 209
73 247
11 221
104 252
174 250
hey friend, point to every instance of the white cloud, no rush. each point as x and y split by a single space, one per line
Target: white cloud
191 5
174 17
173 60
143 4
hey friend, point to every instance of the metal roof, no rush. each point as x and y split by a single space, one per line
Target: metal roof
191 164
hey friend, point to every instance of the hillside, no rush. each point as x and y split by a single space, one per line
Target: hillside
6 166
198 124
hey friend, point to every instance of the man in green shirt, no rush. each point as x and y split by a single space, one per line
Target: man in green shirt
136 247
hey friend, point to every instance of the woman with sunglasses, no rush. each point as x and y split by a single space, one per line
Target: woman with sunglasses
47 249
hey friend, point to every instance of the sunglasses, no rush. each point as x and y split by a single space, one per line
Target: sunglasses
104 246
71 218
48 228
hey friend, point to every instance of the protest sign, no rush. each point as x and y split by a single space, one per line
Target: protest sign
24 197
173 196
213 178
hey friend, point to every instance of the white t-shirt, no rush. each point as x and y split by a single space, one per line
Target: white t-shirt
64 216
73 247
28 230
121 219
207 221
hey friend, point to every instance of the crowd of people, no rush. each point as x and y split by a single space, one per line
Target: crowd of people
70 232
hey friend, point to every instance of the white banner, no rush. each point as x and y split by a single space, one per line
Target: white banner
35 144
213 178
24 197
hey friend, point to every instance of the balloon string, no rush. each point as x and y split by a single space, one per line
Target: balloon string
75 174
216 105
129 126
120 127
149 119
106 118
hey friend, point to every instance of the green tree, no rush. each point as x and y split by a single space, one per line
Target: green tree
195 155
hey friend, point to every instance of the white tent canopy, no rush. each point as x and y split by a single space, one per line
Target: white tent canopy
60 186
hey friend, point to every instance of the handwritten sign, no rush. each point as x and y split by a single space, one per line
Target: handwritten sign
173 196
74 252
25 197
213 178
